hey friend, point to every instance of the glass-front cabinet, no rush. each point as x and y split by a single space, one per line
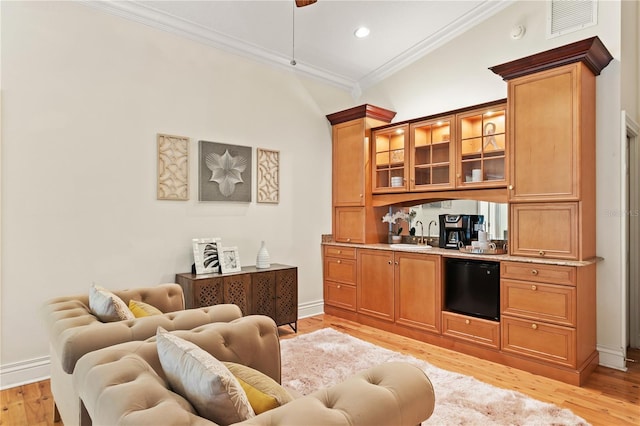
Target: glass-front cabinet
431 165
390 158
481 147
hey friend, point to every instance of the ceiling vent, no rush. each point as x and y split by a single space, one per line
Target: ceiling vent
567 16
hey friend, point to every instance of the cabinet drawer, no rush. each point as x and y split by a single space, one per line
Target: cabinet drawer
339 251
536 272
340 295
476 330
340 270
541 302
546 342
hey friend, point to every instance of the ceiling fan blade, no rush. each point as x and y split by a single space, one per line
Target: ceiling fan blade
301 3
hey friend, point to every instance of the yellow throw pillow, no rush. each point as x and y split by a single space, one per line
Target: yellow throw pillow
263 392
141 309
107 306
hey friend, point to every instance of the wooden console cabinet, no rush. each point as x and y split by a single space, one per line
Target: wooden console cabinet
272 292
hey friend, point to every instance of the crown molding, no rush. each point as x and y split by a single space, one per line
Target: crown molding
443 36
146 15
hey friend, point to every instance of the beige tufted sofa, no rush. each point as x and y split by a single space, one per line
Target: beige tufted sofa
125 384
74 331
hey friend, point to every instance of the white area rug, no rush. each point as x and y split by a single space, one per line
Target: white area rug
326 357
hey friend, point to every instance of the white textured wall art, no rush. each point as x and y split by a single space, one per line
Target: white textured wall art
173 167
268 176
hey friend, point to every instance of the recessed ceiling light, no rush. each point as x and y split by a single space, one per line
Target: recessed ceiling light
361 32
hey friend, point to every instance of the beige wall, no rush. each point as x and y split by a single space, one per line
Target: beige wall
457 75
84 94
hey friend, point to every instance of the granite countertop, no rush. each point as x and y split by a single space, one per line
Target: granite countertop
459 254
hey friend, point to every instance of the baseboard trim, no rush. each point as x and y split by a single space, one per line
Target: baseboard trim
612 357
310 309
24 372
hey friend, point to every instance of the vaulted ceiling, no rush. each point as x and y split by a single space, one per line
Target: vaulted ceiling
320 37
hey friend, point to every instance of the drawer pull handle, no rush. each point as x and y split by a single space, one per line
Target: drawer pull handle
541 253
338 286
339 251
534 287
339 261
534 326
389 262
467 322
348 240
511 187
534 271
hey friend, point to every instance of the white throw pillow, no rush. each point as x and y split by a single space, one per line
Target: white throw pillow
203 380
107 306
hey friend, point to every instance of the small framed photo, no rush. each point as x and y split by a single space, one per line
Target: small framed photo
205 255
229 259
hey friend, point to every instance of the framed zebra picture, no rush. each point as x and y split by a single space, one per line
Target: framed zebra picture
205 255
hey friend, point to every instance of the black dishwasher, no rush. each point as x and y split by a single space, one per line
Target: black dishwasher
472 287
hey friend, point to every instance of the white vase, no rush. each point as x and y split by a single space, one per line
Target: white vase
263 260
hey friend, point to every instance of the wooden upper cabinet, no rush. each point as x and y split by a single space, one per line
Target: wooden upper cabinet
349 154
552 130
552 119
431 165
355 220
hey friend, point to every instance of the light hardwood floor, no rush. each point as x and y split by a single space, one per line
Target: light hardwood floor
610 397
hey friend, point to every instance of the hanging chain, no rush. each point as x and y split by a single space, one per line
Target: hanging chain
293 34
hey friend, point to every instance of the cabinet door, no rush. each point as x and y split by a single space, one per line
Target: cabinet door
544 135
417 291
390 159
481 143
208 292
263 288
349 153
375 284
544 230
432 165
286 296
349 225
237 290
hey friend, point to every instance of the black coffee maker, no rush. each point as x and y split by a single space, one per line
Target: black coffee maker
459 227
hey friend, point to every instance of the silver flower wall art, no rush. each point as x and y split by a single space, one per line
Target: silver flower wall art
225 172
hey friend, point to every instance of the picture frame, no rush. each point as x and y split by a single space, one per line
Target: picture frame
229 259
268 180
205 255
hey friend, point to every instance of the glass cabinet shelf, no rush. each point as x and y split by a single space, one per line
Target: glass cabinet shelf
390 158
432 153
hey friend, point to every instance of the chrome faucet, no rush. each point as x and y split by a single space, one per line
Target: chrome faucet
421 241
429 228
